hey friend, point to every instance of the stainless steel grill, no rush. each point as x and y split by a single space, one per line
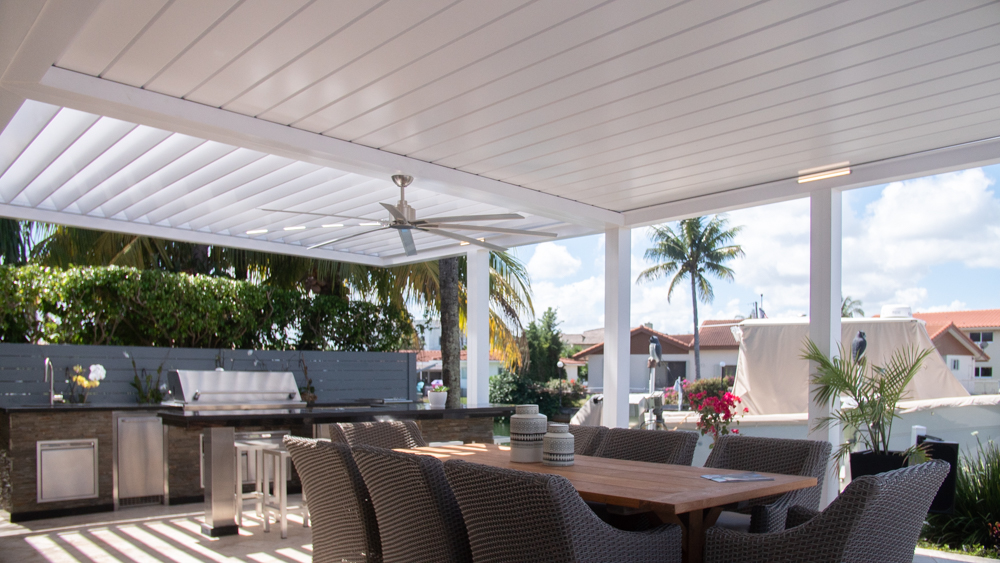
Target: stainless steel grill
232 390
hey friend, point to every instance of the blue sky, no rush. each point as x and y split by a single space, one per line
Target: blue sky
932 243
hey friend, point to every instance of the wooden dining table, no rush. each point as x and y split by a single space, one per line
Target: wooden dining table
677 494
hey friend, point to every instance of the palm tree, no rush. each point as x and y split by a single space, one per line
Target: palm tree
696 249
851 308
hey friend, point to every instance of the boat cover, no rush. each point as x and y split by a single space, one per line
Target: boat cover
772 378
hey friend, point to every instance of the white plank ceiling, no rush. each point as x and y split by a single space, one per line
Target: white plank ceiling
620 105
631 107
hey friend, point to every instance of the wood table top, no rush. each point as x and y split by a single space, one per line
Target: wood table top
657 487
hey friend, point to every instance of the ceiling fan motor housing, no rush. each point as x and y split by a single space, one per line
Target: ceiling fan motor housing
407 211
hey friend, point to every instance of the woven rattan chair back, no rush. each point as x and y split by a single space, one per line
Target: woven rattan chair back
877 519
521 516
418 517
657 446
774 455
394 435
344 527
586 439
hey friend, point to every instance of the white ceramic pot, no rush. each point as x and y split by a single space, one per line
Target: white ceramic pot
527 428
437 398
557 445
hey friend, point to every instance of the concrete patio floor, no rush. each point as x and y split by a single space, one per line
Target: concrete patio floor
171 535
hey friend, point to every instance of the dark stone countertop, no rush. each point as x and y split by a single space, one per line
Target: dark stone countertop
88 407
329 414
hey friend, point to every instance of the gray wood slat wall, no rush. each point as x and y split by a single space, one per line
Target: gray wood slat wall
335 375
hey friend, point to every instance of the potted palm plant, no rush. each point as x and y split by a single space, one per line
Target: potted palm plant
869 395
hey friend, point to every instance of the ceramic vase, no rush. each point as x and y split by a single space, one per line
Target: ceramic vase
557 445
527 429
437 398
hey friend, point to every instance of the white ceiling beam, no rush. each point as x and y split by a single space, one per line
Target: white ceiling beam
195 237
87 93
906 167
566 232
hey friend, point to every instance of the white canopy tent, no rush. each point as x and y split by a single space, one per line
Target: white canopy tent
585 116
772 378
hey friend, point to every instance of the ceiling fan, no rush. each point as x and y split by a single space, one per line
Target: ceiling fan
404 221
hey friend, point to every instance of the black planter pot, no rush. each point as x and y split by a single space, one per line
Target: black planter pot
871 463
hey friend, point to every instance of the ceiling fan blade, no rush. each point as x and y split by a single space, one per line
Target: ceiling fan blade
407 237
317 214
492 230
464 238
460 218
395 212
345 238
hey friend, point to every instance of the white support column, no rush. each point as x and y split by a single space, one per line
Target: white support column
478 327
617 300
825 239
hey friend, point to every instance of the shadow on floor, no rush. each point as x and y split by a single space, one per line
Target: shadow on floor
153 534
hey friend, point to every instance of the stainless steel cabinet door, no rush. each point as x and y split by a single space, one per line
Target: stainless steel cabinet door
140 456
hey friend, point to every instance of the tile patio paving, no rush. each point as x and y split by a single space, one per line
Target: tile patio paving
170 535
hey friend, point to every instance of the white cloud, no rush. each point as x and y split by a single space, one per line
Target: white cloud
914 227
955 305
552 261
579 305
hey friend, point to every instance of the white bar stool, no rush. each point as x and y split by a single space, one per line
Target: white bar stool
255 460
274 464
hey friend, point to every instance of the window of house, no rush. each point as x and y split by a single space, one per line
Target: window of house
956 364
981 336
729 371
984 372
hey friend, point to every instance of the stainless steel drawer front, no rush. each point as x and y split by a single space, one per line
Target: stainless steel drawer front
66 470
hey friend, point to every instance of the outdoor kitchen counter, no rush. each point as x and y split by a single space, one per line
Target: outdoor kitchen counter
217 432
328 414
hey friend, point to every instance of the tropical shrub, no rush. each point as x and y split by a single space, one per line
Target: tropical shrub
513 389
570 393
129 307
977 503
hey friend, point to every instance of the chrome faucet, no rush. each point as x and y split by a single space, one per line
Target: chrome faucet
50 376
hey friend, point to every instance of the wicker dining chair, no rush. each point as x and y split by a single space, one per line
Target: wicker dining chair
391 435
658 446
344 527
521 516
418 517
877 519
586 439
773 455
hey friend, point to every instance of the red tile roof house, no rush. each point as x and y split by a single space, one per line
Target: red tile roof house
719 351
963 338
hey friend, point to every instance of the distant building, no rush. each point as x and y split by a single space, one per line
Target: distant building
962 338
719 351
429 365
586 339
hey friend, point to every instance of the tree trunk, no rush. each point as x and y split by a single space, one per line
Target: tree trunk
451 343
697 340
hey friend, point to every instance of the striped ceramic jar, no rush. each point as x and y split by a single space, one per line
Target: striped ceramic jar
527 428
557 445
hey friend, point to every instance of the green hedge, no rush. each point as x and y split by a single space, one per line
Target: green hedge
128 307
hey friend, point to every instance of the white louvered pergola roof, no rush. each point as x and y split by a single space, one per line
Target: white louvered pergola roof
189 119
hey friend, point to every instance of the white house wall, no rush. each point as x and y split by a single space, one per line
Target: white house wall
711 360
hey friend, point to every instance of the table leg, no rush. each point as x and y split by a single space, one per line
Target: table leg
693 525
